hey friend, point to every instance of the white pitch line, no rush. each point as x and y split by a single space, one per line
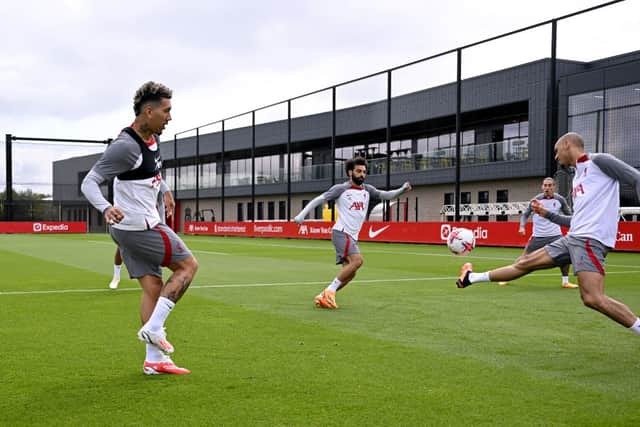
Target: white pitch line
258 285
380 251
196 251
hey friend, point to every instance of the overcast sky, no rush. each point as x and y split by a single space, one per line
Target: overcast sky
69 69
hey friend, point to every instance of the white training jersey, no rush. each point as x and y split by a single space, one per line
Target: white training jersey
542 227
596 196
135 167
352 203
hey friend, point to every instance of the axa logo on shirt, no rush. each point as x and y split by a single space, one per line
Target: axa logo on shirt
578 190
156 180
358 206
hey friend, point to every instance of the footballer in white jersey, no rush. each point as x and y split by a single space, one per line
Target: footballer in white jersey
133 160
352 200
545 231
592 230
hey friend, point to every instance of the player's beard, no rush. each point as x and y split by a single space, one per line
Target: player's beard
357 180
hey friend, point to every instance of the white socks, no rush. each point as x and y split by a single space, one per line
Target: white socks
479 277
154 355
334 285
565 280
116 271
635 328
160 313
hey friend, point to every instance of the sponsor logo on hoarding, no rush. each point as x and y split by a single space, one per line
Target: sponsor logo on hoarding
479 233
320 230
268 228
445 230
374 234
43 228
624 237
303 230
229 228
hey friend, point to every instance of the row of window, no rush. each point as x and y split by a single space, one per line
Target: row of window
609 121
502 196
410 155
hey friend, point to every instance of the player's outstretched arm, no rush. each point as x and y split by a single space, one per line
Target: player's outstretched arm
390 195
304 212
564 220
524 218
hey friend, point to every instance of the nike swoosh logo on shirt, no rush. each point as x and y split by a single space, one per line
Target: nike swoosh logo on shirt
373 234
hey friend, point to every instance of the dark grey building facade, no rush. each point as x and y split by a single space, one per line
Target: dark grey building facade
505 146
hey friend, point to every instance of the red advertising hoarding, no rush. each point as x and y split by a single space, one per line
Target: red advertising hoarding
43 227
487 233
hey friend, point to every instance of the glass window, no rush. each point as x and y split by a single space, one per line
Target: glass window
512 130
590 127
586 102
524 128
502 196
207 175
622 96
187 177
622 134
422 145
468 137
432 143
444 141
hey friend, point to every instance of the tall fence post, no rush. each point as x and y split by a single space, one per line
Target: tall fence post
8 195
458 132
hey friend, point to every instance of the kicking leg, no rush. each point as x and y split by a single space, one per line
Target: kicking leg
593 296
536 260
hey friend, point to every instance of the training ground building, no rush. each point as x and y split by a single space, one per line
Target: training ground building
505 147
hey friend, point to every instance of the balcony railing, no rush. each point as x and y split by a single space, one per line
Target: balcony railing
503 151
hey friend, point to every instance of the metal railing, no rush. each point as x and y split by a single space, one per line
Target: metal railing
388 163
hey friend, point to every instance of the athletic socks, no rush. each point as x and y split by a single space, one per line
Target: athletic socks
635 328
479 277
160 313
116 271
565 280
154 354
334 285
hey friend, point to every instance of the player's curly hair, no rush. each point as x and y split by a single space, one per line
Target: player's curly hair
150 92
351 163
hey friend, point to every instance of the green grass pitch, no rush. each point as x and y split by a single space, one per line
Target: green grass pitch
405 348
